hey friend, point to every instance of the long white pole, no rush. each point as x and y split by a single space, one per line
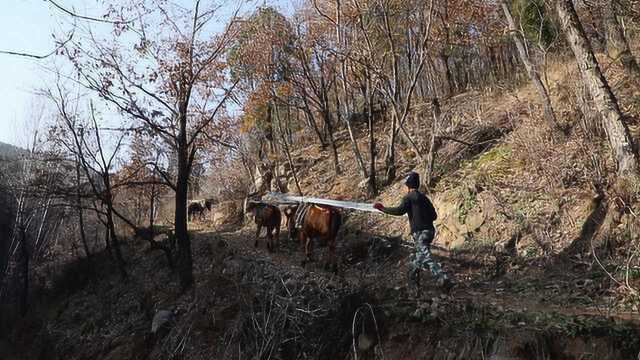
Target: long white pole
291 199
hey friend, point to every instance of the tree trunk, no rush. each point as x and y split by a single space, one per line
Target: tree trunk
373 189
591 120
83 235
617 44
394 90
334 149
434 144
288 127
107 241
286 149
24 295
312 122
604 100
447 83
390 158
354 146
345 103
352 139
184 257
532 70
114 237
152 205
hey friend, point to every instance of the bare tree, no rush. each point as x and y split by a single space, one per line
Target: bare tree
97 165
285 145
434 142
400 93
617 44
178 98
532 69
33 220
313 84
617 131
344 111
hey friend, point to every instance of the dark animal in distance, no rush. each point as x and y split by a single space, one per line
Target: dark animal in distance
320 223
197 208
268 216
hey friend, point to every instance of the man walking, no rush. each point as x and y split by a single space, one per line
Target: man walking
421 215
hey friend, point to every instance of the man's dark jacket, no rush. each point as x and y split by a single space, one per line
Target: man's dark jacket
418 208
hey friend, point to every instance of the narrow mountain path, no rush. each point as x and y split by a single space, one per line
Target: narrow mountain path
541 291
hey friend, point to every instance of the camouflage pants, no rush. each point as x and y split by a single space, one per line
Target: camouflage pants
423 258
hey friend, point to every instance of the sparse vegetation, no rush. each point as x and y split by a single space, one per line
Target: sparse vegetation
528 142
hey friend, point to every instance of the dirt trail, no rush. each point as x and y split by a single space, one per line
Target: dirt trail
551 290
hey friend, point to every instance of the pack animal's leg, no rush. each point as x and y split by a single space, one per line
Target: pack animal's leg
332 256
326 257
303 241
258 229
293 233
278 233
270 238
308 248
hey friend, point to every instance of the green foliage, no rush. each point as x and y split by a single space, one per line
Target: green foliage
469 202
494 156
634 273
534 20
531 251
493 165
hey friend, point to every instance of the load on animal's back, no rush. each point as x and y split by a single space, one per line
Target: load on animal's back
319 223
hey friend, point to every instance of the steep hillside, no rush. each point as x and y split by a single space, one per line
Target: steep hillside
515 184
523 209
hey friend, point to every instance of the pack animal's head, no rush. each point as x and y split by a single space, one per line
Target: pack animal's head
250 203
290 210
289 214
250 207
208 203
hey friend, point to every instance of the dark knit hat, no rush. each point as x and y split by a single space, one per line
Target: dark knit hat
413 180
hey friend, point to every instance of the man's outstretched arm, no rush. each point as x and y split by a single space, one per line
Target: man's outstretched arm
398 210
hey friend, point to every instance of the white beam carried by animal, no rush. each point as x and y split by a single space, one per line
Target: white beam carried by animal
279 198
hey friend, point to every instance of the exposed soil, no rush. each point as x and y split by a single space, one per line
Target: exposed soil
252 304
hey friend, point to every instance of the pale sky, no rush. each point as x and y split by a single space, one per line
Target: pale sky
26 26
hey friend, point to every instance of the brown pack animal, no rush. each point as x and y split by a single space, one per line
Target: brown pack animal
321 223
268 216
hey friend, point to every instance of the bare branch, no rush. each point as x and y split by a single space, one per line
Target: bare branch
89 18
59 46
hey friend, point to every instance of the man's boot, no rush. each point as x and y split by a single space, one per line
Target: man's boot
445 283
414 278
